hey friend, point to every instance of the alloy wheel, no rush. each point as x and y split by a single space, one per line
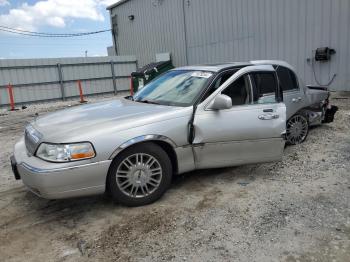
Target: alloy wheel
297 129
139 175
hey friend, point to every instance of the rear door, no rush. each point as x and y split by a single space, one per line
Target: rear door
293 95
249 132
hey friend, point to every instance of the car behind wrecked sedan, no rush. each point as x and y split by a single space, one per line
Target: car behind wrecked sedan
189 118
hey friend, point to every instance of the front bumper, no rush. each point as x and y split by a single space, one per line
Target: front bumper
14 168
59 180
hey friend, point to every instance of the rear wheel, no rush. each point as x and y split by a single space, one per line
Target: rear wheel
140 175
297 129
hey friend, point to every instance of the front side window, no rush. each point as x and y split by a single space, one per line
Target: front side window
239 91
286 78
175 88
219 81
265 86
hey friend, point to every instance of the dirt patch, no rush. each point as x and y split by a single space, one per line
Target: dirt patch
121 241
209 199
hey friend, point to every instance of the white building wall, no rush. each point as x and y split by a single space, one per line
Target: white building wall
207 31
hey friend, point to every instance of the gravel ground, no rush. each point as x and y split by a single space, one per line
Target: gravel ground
294 210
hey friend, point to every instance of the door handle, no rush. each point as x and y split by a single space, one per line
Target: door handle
268 117
296 100
268 110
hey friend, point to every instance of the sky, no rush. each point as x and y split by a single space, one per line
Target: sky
54 16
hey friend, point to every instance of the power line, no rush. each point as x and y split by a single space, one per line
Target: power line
6 44
52 35
99 37
41 34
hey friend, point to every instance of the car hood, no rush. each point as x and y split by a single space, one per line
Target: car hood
119 114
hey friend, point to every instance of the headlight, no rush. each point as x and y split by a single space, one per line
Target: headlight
65 153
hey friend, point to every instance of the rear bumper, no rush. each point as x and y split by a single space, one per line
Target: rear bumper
330 113
54 181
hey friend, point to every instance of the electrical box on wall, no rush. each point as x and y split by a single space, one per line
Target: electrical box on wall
324 54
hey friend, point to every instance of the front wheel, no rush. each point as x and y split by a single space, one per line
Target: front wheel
140 175
297 129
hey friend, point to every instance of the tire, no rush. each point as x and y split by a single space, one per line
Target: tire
297 129
139 175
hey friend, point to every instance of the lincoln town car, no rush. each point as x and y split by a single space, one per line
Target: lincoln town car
194 117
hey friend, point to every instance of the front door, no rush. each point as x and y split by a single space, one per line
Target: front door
249 132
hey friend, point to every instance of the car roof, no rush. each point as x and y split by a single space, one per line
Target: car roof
223 66
213 67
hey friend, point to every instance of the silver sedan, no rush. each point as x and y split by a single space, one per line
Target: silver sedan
189 118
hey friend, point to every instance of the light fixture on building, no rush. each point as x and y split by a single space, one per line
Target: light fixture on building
131 17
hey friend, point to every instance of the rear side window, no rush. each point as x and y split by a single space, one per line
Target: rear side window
265 83
286 78
265 86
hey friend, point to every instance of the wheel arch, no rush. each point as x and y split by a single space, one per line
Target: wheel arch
301 111
164 142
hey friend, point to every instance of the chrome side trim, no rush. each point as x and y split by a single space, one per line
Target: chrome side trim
45 171
140 139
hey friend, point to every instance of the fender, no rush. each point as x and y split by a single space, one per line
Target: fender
141 139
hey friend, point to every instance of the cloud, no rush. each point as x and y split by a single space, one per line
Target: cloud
55 13
109 2
4 2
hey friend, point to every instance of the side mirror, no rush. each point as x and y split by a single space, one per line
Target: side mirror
221 102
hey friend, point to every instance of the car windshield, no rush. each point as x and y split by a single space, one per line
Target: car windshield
175 88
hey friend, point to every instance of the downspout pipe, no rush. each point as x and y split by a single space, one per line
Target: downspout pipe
113 33
185 30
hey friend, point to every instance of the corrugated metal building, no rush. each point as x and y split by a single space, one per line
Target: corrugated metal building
207 31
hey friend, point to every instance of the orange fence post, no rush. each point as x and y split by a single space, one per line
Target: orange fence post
131 86
12 101
81 92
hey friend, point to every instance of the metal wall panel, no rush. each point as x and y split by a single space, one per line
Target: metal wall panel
123 84
34 93
73 72
157 28
240 30
39 79
89 87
